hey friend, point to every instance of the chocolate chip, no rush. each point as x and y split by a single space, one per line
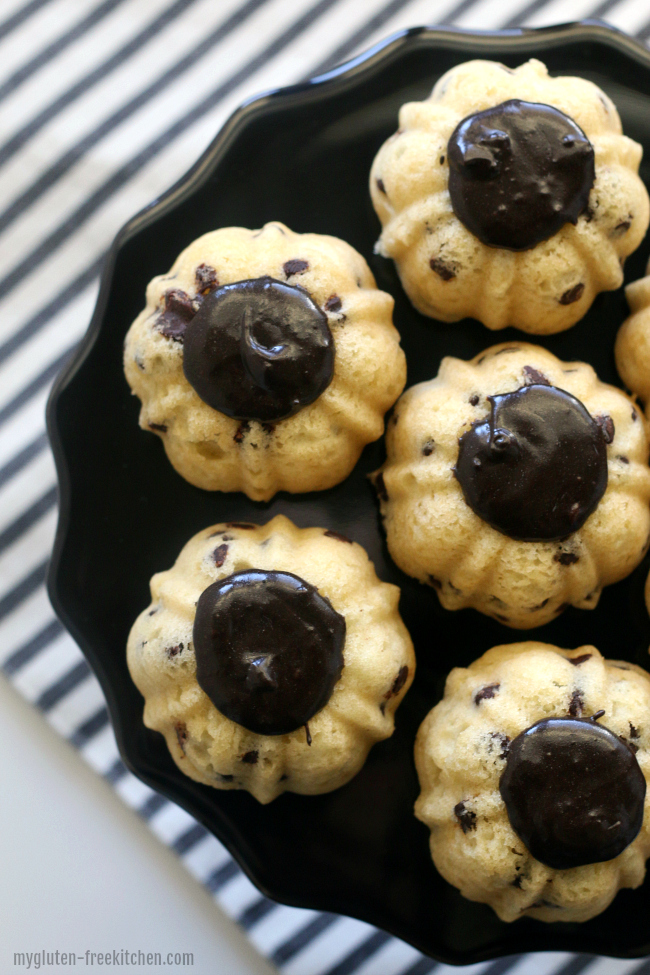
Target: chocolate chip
250 758
206 279
485 693
219 555
178 311
380 186
398 683
153 611
465 817
621 228
533 377
444 271
540 605
160 427
333 303
474 399
179 303
576 661
499 602
241 431
633 734
635 416
606 424
342 538
295 267
174 651
380 487
572 294
576 704
442 160
623 460
502 741
428 448
139 363
510 348
565 558
225 778
181 733
284 777
240 524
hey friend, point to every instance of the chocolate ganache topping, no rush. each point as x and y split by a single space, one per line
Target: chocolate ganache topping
573 791
259 350
269 649
536 467
518 172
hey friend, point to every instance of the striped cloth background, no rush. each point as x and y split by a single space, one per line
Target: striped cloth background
102 106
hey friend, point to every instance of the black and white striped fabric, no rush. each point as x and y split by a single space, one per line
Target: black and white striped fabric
104 104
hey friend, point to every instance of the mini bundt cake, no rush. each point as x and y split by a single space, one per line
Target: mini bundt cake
271 658
533 772
633 340
517 484
265 361
509 196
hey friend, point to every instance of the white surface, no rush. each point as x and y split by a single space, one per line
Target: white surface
81 872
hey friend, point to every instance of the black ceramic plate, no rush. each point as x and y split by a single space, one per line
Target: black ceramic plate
302 155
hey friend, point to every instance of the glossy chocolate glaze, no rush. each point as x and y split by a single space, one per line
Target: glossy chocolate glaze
573 791
518 172
536 467
269 649
259 350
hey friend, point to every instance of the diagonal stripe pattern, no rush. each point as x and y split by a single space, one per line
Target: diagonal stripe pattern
126 104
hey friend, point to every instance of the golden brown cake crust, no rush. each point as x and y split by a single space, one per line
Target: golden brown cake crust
378 669
445 270
436 537
315 448
633 340
461 752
